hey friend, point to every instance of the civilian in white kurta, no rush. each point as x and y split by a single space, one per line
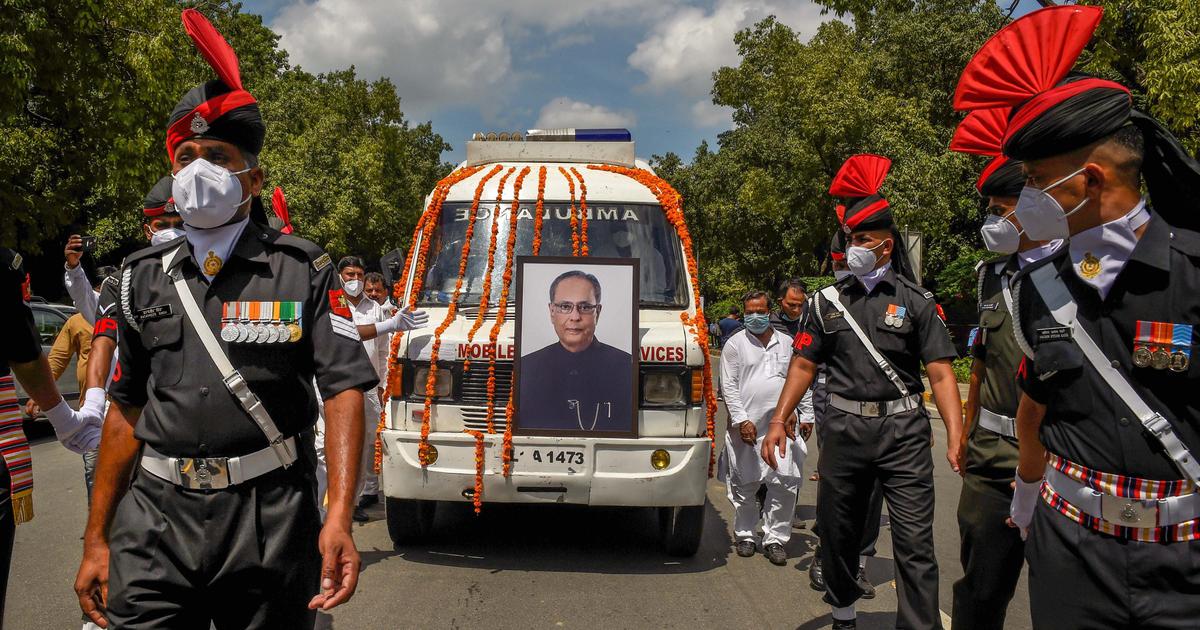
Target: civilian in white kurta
753 370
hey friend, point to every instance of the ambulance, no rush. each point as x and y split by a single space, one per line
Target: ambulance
663 465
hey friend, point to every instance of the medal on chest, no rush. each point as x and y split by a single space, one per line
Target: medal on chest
212 264
1089 267
1162 346
262 322
895 315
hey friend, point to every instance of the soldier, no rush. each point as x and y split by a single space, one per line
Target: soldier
219 522
1107 412
816 575
872 332
992 554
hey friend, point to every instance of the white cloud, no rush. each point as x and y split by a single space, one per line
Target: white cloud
707 114
438 53
685 47
566 112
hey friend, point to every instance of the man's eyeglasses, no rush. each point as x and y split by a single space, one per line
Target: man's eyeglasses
565 308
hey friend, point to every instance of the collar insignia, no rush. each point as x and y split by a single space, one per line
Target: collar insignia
1089 267
199 125
212 264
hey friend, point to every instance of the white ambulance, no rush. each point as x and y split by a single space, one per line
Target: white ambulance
665 466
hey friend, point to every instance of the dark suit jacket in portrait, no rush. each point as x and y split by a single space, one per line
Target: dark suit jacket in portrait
564 390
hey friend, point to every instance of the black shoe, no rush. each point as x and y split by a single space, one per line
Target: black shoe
360 516
844 625
368 500
816 577
745 548
864 585
775 553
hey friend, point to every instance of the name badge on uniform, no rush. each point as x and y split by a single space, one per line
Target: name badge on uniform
894 316
158 311
1054 333
1162 346
989 306
832 315
262 322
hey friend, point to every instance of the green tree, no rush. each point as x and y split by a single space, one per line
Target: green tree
86 87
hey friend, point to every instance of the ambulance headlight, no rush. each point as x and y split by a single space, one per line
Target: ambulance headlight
443 386
663 388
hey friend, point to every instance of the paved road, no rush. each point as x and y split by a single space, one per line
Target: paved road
522 567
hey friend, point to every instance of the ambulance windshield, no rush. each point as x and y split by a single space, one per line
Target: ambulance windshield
614 231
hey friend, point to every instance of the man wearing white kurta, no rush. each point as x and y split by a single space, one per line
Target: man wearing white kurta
754 365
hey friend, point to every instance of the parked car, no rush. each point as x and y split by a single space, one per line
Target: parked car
49 320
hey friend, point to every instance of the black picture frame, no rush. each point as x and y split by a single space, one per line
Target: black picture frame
524 319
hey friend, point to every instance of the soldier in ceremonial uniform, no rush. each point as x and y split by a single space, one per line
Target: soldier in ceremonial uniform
875 425
992 553
1108 426
221 335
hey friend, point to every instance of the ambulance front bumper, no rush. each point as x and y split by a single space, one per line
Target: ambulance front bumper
613 472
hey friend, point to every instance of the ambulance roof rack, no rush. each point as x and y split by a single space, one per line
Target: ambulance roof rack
591 146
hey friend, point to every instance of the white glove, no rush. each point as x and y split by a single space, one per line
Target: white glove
75 431
92 409
403 320
1024 500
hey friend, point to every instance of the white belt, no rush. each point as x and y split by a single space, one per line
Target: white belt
212 473
997 423
1123 511
875 408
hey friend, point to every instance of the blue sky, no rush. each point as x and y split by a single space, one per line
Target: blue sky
511 65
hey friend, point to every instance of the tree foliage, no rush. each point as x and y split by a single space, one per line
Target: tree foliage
880 80
86 87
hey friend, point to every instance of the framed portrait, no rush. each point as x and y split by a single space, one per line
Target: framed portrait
576 367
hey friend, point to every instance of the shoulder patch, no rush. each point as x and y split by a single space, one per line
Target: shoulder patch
16 261
928 295
321 262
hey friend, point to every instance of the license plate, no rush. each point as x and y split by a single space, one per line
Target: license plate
550 459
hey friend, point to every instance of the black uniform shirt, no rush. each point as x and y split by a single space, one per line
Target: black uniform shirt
164 368
995 344
21 342
560 389
106 309
1085 420
850 370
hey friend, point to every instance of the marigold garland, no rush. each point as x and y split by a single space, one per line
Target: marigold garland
451 313
583 213
491 265
506 449
424 227
672 204
477 498
574 218
494 336
539 208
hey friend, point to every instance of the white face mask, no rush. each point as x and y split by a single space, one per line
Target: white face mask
838 274
1000 235
164 235
207 195
1041 215
353 288
862 260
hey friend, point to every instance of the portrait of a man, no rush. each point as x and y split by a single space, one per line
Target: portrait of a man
579 381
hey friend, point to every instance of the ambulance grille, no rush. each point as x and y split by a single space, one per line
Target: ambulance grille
474 394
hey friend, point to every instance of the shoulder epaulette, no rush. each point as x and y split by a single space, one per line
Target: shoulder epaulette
1185 241
925 293
149 252
318 257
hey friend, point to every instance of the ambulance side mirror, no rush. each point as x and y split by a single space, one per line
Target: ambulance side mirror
390 265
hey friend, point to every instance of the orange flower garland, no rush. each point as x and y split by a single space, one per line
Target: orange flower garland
424 227
574 218
477 498
493 337
583 249
539 208
507 448
672 204
451 312
491 264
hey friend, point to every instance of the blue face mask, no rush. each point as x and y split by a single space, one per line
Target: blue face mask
757 323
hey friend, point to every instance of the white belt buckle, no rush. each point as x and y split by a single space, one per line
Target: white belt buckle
1129 512
203 473
870 408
